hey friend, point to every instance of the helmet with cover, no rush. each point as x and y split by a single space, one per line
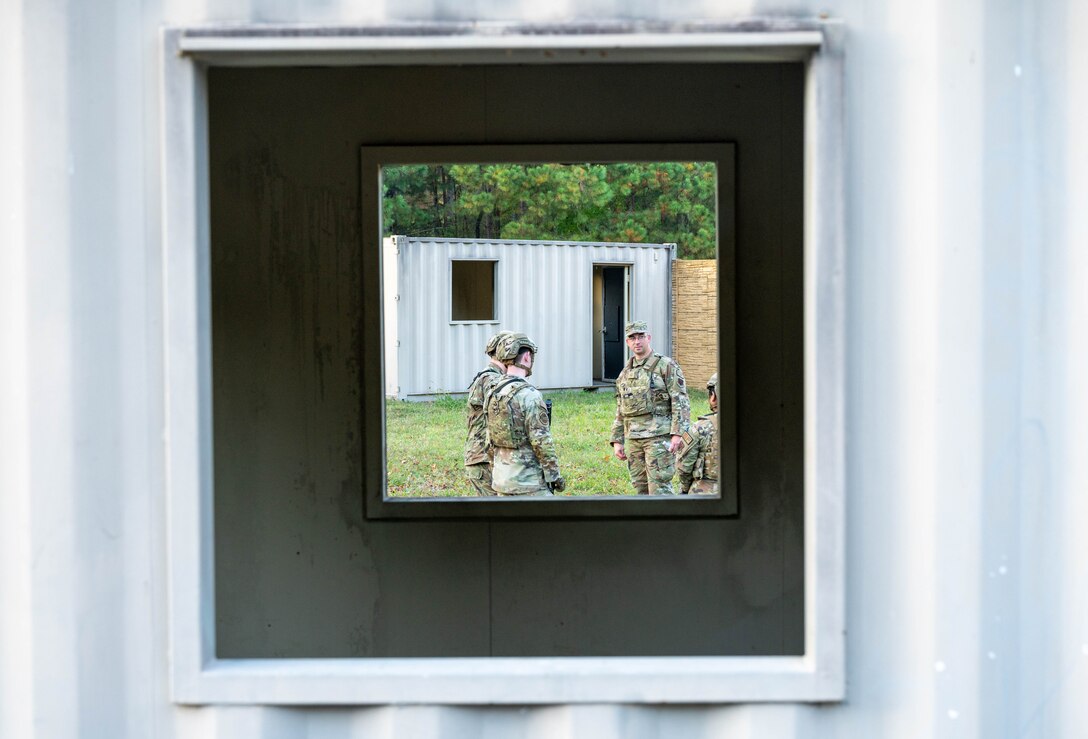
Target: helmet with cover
511 347
494 342
712 384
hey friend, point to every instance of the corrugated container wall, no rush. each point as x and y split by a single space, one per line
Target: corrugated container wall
966 170
541 288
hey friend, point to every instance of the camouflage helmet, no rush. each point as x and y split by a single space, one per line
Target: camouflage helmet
712 384
494 342
513 345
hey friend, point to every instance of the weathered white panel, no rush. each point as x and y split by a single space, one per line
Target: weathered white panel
16 550
83 651
1051 568
81 528
543 289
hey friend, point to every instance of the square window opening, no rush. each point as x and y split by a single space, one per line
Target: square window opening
472 290
213 636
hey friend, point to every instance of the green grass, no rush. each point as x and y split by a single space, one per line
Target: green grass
426 443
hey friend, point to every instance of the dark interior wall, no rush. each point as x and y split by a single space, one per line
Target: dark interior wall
299 571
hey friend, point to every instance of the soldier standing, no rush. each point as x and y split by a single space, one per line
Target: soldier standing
477 453
652 412
698 464
518 428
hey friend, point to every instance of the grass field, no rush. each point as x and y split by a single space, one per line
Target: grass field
426 444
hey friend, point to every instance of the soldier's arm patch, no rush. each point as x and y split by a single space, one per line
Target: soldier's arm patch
539 418
677 371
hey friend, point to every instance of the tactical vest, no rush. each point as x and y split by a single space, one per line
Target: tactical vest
706 467
637 392
505 418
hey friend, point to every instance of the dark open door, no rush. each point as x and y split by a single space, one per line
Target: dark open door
615 309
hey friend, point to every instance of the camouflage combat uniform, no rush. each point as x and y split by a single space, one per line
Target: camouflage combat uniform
698 464
651 407
477 453
521 439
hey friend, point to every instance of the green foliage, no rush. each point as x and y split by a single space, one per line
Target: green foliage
425 443
659 202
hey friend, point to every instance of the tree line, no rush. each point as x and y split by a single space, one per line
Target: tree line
665 202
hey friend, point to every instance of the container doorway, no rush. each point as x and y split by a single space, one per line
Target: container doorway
611 303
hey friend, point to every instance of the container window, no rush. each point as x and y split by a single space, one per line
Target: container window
279 292
472 290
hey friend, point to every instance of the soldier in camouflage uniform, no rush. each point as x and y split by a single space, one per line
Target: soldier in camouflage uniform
477 453
652 413
699 455
518 428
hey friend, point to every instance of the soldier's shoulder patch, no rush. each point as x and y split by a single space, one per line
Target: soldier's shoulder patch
688 438
539 415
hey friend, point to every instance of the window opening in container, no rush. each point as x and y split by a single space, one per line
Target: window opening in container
472 290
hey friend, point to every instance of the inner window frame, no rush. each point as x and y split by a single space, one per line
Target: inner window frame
379 505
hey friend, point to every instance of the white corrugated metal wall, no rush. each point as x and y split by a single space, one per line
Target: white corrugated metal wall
967 608
542 288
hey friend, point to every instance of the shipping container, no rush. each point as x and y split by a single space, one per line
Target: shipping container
444 298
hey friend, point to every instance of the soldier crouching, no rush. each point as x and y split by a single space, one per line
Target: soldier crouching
699 455
518 429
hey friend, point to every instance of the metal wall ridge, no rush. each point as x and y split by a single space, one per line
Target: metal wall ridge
544 242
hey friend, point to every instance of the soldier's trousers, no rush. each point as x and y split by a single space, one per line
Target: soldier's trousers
479 477
651 465
704 486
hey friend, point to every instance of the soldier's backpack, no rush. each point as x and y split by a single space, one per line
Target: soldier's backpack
635 389
505 419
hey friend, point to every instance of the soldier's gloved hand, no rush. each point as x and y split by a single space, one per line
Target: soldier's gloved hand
559 484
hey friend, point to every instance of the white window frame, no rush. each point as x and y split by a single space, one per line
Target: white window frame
199 677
